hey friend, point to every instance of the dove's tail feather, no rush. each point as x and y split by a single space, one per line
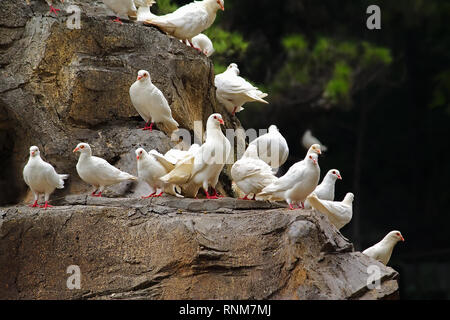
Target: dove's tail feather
257 95
62 177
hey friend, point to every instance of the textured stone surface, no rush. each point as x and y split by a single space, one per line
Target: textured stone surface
169 248
61 86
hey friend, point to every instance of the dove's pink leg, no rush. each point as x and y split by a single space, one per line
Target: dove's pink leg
291 207
244 198
117 19
303 205
53 10
98 195
234 111
149 196
159 195
147 127
46 205
34 205
208 196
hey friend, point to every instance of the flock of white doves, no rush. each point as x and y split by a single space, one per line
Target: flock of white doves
183 172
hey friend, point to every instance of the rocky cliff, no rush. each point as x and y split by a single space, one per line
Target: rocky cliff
60 86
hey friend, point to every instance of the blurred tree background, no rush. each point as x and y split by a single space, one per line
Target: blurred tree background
379 99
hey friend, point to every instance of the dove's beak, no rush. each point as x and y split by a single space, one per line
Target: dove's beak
401 238
339 177
76 149
222 8
137 157
221 122
139 78
319 152
32 153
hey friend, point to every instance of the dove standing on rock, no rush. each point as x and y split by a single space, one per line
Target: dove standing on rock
308 140
338 212
272 147
41 177
152 166
97 171
382 251
251 174
150 103
300 180
203 44
189 20
325 190
143 9
123 8
202 169
234 91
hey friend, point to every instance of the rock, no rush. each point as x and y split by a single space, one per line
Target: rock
167 248
60 86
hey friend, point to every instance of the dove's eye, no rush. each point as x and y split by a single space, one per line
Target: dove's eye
140 152
334 172
82 147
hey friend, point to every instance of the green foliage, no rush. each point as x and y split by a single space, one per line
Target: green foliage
164 7
441 93
338 88
375 55
295 42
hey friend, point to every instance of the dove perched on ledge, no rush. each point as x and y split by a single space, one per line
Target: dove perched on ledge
308 140
251 174
300 180
123 8
234 91
152 166
41 177
382 251
150 103
97 171
338 212
272 142
202 169
143 9
325 190
203 44
189 20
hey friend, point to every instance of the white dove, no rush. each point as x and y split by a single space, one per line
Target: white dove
97 171
189 20
308 140
41 177
338 212
143 9
234 91
272 147
123 8
150 103
251 174
382 251
325 190
203 44
152 166
203 168
300 180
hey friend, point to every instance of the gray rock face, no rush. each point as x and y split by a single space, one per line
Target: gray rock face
61 86
167 248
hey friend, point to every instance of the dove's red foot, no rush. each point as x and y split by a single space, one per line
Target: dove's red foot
210 197
149 196
159 195
215 194
53 10
244 198
148 127
291 207
46 205
34 205
117 19
98 195
234 111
